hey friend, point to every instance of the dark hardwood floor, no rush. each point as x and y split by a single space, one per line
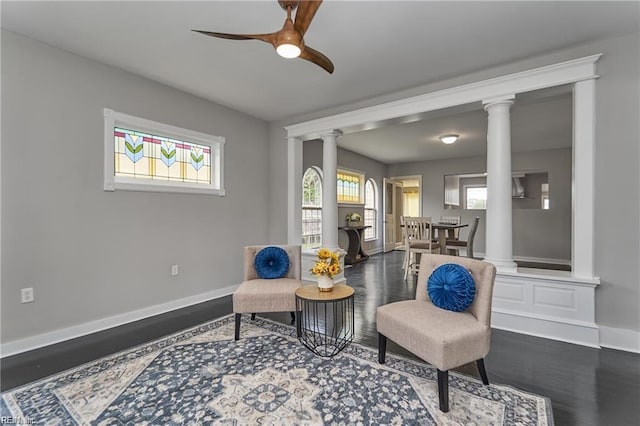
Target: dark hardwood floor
586 386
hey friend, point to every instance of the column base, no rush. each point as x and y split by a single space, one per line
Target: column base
503 265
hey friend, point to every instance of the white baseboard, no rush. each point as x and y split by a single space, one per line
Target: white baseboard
375 251
56 336
620 338
576 332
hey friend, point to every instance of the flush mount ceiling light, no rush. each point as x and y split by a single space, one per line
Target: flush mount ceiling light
449 139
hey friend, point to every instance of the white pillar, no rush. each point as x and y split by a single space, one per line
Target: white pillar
499 231
294 191
330 189
584 118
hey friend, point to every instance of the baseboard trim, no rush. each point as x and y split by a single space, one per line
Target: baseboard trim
375 251
565 330
620 338
56 336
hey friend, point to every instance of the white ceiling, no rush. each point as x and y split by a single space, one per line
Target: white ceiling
540 120
377 47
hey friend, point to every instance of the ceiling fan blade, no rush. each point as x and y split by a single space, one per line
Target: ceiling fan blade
306 10
269 38
317 58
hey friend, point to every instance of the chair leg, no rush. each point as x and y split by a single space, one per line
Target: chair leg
237 335
443 390
253 317
382 348
482 371
293 317
405 262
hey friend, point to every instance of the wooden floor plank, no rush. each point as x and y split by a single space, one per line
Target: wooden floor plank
587 386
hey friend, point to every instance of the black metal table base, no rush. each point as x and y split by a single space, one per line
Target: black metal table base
325 327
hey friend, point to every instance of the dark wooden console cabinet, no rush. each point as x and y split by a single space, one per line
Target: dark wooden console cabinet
355 253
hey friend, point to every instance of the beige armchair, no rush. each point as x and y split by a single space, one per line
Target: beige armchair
442 338
267 295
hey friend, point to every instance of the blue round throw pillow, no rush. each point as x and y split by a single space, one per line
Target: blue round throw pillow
271 262
451 287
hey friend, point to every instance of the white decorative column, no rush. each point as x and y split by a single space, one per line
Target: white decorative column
330 189
499 231
294 191
584 118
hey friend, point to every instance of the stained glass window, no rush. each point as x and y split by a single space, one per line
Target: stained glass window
141 155
151 156
349 187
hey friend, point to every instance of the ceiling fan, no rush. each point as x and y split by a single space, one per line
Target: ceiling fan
289 41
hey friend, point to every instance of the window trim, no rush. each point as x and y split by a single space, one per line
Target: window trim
466 205
375 209
317 207
112 182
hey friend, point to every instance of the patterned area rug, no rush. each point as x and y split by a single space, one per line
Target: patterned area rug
202 376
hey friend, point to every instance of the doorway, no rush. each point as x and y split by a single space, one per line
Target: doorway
402 197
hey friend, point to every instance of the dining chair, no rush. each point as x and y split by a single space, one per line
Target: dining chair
271 293
452 234
454 245
444 338
418 239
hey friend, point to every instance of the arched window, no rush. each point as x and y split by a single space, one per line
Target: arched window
371 210
311 208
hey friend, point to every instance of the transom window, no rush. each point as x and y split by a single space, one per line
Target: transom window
144 155
350 187
371 210
311 208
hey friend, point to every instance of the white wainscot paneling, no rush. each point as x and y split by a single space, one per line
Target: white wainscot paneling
509 293
553 305
546 297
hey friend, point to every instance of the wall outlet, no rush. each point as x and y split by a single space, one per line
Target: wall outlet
175 270
26 295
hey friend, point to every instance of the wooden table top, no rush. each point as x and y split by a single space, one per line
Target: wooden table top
311 292
443 225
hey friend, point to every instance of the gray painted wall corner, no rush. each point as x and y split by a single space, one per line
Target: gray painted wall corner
91 254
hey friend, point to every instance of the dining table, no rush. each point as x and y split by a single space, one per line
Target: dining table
444 229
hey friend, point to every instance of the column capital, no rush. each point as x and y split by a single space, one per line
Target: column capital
500 100
335 133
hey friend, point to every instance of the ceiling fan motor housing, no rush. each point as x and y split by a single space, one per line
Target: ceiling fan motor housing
289 35
289 3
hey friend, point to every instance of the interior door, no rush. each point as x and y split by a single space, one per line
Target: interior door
390 193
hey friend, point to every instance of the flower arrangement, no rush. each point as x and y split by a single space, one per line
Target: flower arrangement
328 263
353 217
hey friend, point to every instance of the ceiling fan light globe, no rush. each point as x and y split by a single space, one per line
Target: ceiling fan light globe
287 50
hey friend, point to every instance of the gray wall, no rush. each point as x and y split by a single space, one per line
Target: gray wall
536 233
312 156
617 227
91 254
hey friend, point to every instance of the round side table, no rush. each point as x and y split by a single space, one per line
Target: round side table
325 320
